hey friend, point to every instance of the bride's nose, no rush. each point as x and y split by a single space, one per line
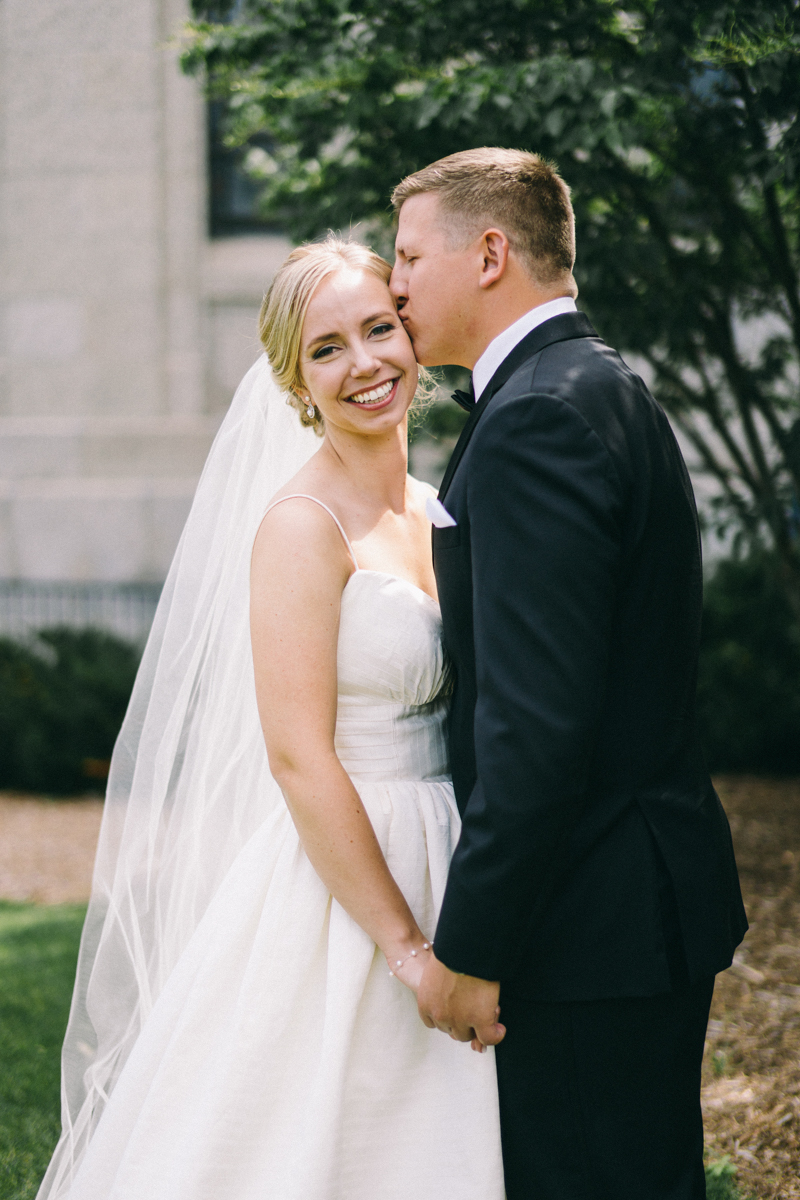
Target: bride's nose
364 362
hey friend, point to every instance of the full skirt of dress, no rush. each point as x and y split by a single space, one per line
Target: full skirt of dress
281 1061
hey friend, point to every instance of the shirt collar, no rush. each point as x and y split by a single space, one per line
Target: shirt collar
499 349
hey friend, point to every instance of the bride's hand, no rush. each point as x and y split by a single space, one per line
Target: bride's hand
408 964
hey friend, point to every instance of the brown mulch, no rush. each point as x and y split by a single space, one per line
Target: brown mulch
47 848
751 1092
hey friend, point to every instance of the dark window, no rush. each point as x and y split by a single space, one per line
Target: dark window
233 194
222 12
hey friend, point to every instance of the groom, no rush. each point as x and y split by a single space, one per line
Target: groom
593 893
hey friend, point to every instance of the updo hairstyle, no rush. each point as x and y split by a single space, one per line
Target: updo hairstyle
280 322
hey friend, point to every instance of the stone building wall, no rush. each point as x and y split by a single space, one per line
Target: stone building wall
123 328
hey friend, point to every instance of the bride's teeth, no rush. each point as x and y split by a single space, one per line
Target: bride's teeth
377 393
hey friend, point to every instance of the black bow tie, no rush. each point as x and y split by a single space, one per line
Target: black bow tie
465 399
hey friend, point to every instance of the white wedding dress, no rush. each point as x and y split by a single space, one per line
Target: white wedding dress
281 1061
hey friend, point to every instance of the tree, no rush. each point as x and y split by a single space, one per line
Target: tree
748 700
675 122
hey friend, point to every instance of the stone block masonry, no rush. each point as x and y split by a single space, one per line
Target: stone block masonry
123 328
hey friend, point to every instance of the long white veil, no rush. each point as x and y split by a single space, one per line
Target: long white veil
189 781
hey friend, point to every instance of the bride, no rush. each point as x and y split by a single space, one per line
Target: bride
279 819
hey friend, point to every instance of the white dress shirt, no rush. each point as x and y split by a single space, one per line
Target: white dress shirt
498 350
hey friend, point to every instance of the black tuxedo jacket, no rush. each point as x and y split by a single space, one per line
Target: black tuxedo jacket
571 589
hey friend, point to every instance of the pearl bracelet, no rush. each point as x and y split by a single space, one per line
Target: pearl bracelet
401 961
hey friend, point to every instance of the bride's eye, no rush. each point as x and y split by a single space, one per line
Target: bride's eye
324 352
384 327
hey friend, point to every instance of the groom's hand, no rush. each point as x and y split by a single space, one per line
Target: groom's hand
461 1005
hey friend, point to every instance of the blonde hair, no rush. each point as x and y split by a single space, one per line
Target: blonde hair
515 190
283 312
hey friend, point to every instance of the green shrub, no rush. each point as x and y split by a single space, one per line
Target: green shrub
749 681
721 1180
62 700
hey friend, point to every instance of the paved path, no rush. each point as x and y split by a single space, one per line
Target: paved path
47 848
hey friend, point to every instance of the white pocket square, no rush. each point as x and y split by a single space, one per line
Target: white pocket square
437 513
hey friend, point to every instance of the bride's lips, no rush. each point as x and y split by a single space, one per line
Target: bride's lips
373 406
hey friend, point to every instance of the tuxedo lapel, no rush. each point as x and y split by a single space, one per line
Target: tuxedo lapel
461 444
557 329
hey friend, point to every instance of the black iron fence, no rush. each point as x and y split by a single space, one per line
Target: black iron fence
126 609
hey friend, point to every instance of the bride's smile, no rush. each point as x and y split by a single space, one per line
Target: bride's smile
374 397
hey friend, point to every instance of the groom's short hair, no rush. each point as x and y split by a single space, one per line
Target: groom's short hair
514 190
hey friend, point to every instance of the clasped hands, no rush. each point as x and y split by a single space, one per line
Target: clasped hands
461 1005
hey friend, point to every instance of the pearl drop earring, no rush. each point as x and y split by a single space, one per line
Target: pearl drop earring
310 410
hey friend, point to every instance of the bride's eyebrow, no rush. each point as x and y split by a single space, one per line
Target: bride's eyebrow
325 337
381 316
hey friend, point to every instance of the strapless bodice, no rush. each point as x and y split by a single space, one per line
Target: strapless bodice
393 681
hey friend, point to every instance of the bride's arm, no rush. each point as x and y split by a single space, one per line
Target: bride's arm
299 569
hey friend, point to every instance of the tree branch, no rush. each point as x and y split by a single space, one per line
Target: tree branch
714 467
708 403
784 267
745 395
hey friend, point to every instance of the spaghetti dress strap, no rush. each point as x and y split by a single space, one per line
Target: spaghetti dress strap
305 496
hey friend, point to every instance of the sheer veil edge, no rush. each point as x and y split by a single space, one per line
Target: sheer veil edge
189 782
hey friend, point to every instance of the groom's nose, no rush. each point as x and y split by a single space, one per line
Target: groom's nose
397 287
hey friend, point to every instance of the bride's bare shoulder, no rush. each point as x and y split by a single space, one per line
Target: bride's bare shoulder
299 537
292 518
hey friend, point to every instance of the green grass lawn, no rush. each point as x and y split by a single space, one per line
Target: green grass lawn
38 951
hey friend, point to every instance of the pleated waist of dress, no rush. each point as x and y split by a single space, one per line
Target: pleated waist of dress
381 742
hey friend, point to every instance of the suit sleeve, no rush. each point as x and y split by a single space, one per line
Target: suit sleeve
544 506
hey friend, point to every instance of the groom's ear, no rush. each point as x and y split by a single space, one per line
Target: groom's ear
494 253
